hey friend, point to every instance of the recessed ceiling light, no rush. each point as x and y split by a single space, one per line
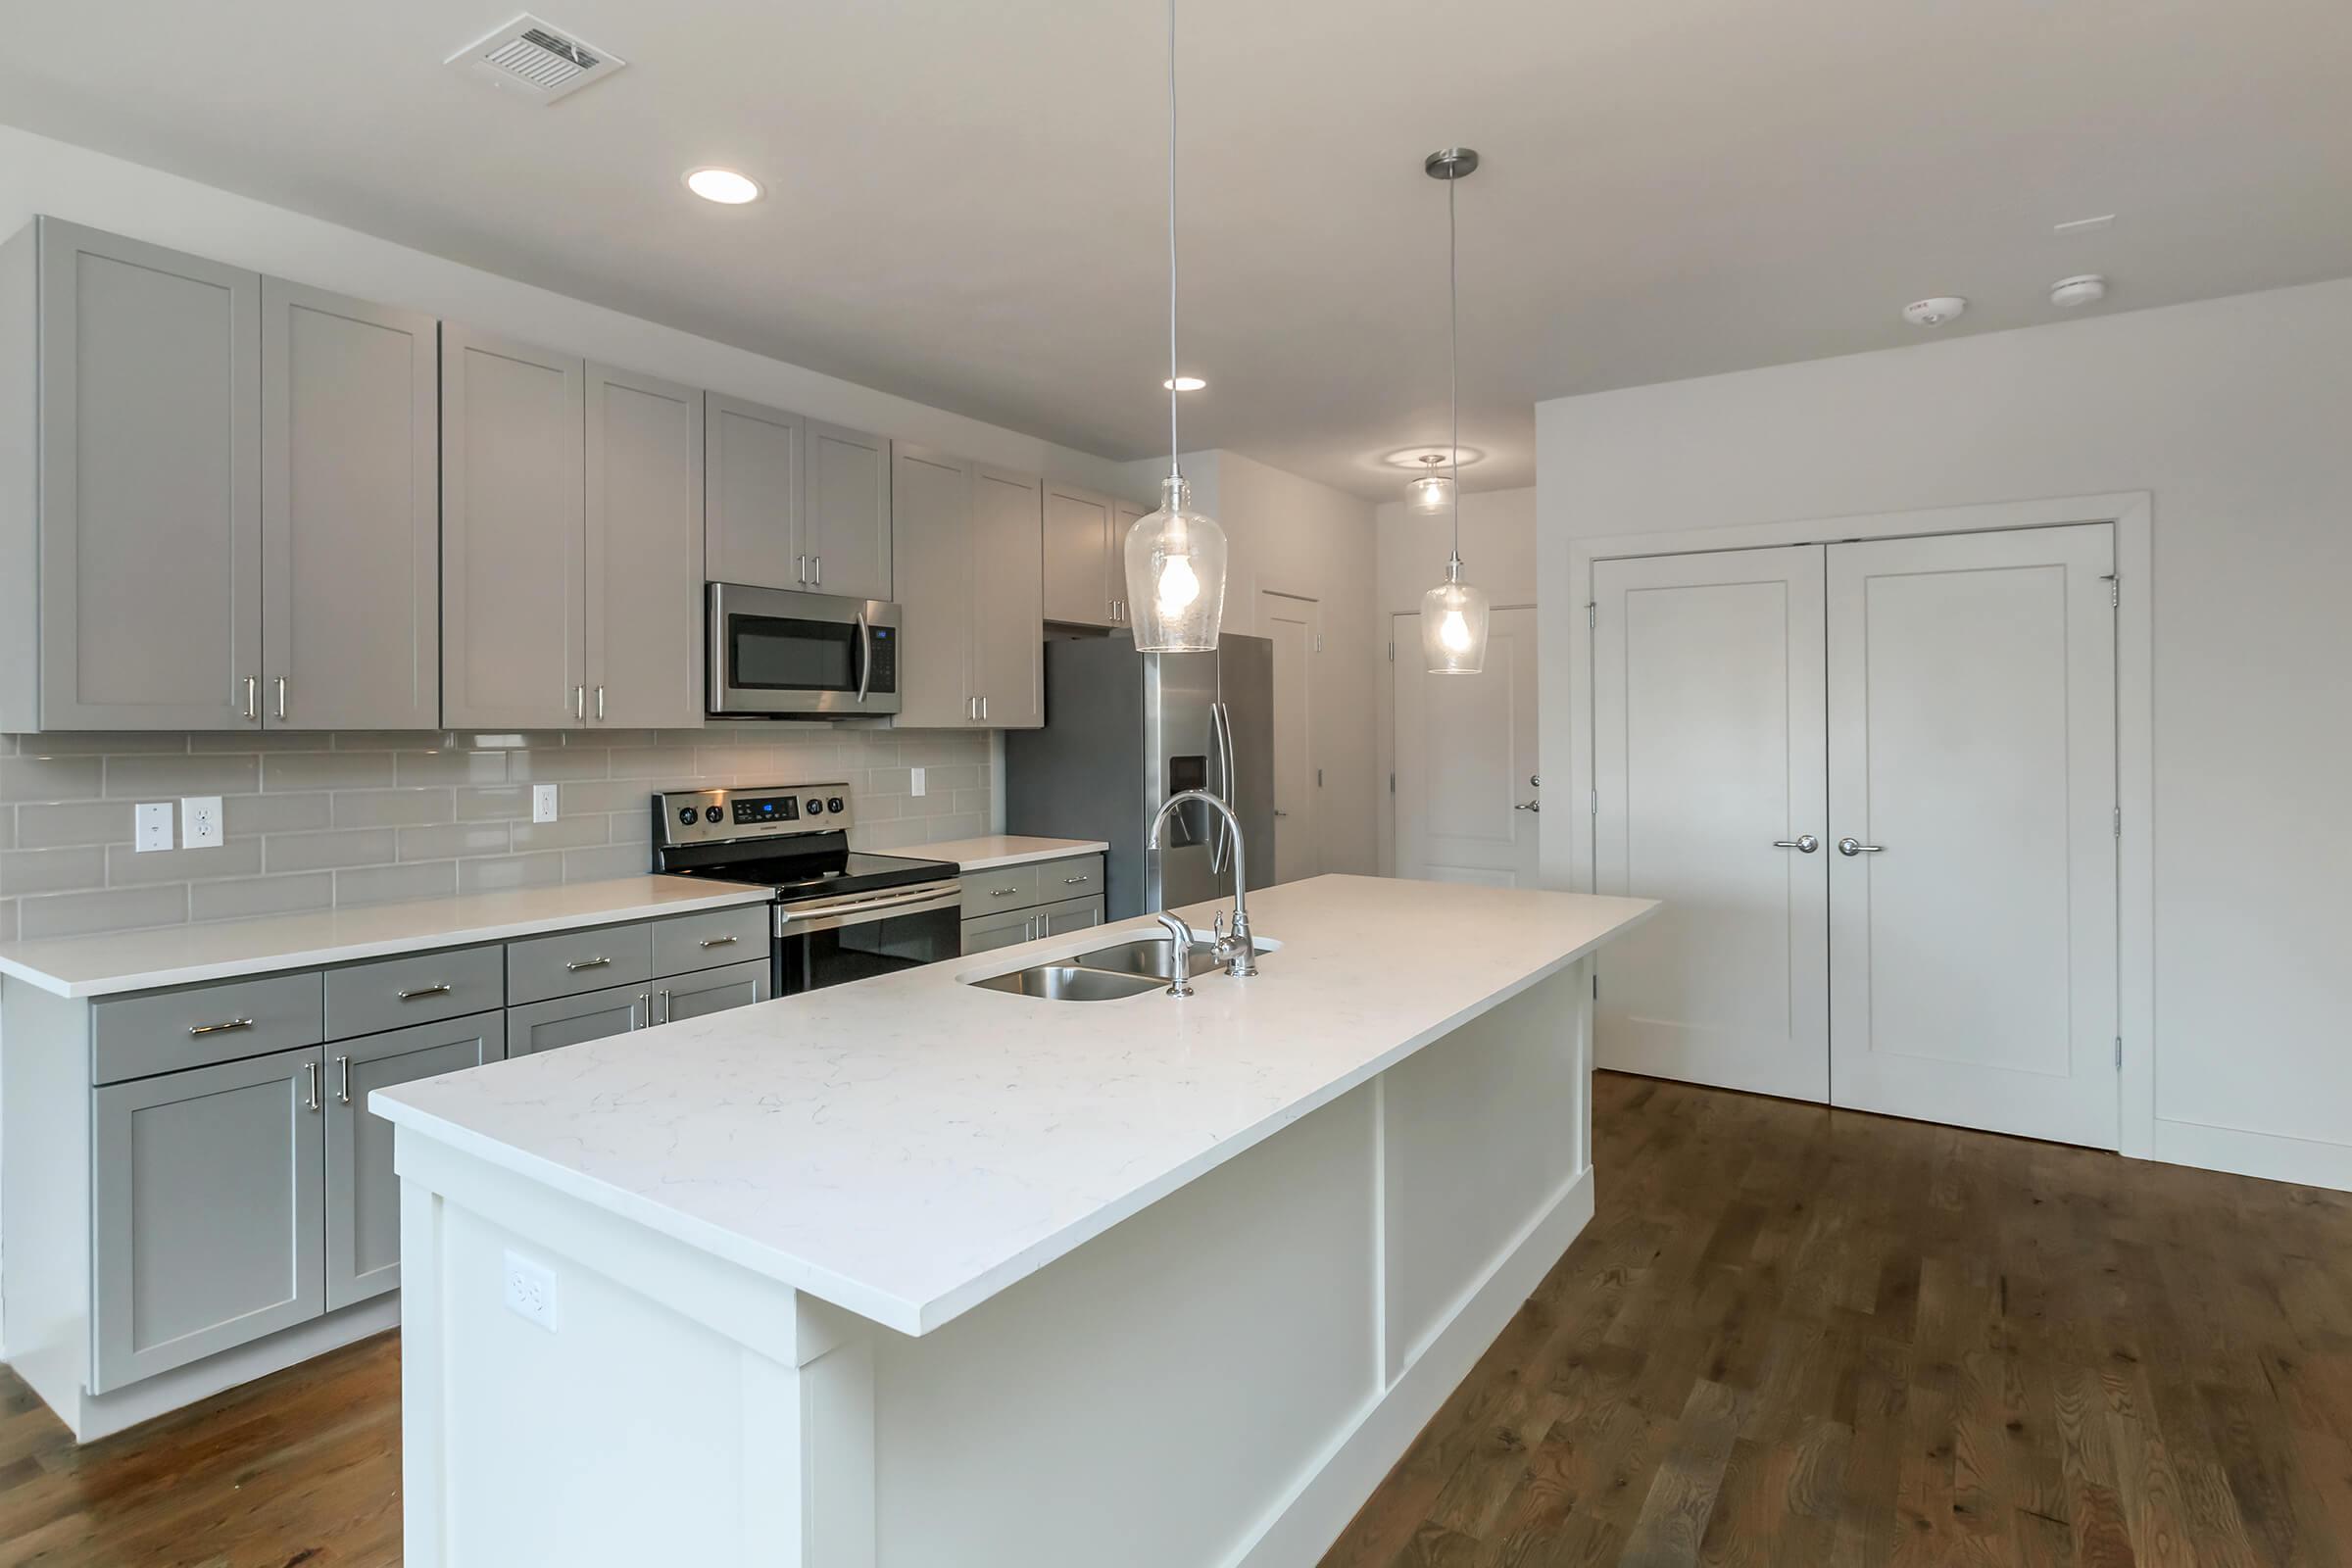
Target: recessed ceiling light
1185 384
1936 311
724 185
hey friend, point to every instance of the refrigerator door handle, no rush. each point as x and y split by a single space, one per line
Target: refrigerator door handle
1229 779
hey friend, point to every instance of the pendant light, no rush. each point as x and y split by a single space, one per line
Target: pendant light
1176 555
1454 614
1433 492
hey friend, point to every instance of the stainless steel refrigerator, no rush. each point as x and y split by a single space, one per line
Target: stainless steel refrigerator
1126 730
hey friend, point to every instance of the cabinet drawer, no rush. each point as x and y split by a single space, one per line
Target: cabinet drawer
1009 887
1078 878
135 1035
705 941
418 988
572 962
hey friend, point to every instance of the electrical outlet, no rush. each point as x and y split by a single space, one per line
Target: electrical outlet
531 1292
915 774
200 821
154 828
543 802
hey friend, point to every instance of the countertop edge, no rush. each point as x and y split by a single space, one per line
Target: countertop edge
1065 848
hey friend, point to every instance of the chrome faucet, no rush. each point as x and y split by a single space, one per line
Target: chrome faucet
1239 952
1181 941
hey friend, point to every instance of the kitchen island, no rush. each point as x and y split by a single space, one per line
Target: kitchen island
916 1273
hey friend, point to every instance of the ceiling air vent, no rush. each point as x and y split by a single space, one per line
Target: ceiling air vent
535 61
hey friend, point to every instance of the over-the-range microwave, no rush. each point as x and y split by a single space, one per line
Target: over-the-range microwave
777 652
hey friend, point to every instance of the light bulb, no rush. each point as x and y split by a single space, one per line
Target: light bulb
1176 575
1429 495
1455 632
1177 585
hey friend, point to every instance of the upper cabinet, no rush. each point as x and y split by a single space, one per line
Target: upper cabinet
794 503
351 513
513 540
1080 587
967 542
644 590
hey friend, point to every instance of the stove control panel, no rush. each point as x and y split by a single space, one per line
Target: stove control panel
729 816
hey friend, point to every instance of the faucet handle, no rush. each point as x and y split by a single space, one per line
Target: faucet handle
1216 927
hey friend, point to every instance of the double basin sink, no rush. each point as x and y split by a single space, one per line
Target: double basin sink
1124 969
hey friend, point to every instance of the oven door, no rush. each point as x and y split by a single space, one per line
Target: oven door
778 651
835 942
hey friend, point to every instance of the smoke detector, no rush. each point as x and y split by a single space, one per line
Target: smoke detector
534 60
2086 288
1936 311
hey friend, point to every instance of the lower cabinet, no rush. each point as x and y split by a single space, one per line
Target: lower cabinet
985 933
1070 915
693 995
619 1009
362 1195
1036 899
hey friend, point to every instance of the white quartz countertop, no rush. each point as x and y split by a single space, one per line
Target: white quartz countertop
993 850
189 955
909 1146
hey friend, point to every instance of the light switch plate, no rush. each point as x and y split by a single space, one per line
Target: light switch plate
200 821
543 802
153 827
915 774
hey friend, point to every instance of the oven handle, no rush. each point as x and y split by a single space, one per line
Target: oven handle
865 657
860 911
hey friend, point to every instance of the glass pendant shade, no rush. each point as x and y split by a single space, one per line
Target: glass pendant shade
1453 626
1176 575
1430 496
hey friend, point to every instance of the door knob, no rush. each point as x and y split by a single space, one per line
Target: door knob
1529 805
1805 843
1853 846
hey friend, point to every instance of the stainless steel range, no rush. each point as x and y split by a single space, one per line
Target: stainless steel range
840 914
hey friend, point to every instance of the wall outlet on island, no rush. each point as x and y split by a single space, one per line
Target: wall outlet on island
543 802
154 828
914 777
200 821
531 1291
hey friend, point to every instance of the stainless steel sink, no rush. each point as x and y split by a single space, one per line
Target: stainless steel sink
1068 982
1149 955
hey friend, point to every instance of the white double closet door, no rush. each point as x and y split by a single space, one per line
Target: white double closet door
1875 785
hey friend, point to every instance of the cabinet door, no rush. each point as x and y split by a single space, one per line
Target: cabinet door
1078 590
986 932
205 1223
511 543
573 1020
930 502
1070 915
1009 629
362 1195
1125 516
690 996
150 487
351 514
751 462
844 511
644 499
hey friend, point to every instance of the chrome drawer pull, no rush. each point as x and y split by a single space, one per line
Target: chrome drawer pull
1001 893
425 991
589 963
196 1029
342 1080
718 942
1075 881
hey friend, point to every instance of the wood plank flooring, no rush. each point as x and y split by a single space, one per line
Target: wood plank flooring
1791 1336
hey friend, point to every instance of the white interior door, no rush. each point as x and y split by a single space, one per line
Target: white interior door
1972 746
1708 699
1466 794
1294 626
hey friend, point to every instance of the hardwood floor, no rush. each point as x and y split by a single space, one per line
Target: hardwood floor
1791 1336
1796 1336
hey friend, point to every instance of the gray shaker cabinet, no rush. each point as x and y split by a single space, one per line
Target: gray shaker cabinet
1009 633
644 552
752 463
148 403
350 575
362 1195
931 538
206 1211
692 995
1079 586
575 1020
985 933
514 649
844 511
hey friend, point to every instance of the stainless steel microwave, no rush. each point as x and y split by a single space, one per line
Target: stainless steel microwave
776 653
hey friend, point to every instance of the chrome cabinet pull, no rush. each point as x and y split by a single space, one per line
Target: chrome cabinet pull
662 1007
647 1003
281 696
1001 892
799 565
342 1080
579 703
197 1029
1803 844
252 697
309 1082
589 963
423 991
718 942
818 563
1075 881
1854 846
600 705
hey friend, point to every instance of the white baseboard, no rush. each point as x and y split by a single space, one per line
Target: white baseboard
1304 1526
2302 1160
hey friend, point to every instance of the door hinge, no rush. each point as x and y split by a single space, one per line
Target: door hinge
1595 984
1318 778
1592 614
1318 642
1597 803
2119 821
1391 649
2115 589
1392 783
2118 1051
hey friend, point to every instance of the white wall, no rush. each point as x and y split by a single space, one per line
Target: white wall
1499 554
39 175
2236 415
1292 535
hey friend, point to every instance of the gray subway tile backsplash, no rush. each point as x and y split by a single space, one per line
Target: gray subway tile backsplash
315 819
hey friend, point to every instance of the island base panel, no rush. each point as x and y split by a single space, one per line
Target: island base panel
1220 1380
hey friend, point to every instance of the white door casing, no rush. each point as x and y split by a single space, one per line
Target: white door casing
1468 802
1973 740
1708 703
1294 625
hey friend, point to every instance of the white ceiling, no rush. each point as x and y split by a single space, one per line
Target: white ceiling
965 199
